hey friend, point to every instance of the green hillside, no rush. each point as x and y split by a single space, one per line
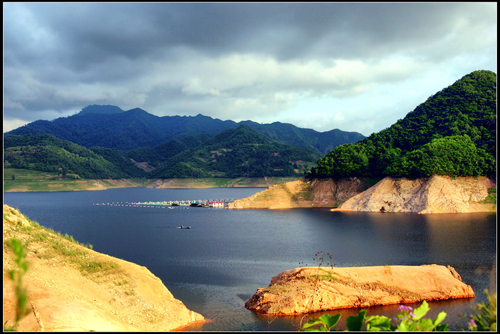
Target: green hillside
240 152
452 133
50 154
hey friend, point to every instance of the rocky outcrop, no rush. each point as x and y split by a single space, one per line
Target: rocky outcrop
438 194
73 288
330 193
303 194
304 290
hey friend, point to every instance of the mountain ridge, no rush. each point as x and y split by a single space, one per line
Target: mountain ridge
111 127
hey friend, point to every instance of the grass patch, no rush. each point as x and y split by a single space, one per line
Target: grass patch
121 282
93 266
492 196
16 179
305 194
277 289
288 192
45 243
329 278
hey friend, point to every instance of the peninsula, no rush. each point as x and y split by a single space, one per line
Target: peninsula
73 288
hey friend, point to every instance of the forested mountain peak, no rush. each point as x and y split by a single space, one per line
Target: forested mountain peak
452 133
242 133
138 111
100 109
111 127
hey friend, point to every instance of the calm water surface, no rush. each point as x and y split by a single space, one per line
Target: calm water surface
217 265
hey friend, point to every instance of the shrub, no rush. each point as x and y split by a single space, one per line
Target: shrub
485 315
16 275
408 319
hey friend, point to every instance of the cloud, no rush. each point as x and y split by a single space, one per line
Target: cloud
258 61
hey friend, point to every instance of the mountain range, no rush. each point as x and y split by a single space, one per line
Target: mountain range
452 133
238 152
111 127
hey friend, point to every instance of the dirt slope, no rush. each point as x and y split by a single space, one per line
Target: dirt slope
438 194
302 194
304 290
73 288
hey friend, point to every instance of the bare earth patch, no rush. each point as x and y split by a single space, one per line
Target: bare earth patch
439 194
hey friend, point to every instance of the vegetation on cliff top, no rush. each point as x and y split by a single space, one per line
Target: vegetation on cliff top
452 133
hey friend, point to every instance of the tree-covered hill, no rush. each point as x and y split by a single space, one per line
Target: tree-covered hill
110 127
239 152
100 109
50 154
232 153
321 142
452 133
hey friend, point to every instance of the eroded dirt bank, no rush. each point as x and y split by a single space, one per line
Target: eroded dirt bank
439 194
305 290
303 194
73 288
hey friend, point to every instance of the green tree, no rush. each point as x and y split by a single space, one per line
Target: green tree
453 156
346 160
466 108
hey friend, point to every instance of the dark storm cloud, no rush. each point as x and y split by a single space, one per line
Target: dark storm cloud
222 57
92 32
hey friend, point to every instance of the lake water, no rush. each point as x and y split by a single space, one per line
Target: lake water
218 264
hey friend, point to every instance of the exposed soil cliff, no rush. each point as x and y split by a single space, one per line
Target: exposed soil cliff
439 194
304 290
302 194
73 288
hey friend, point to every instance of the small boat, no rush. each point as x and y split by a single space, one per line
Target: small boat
185 227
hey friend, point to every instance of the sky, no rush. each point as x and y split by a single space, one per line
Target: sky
350 66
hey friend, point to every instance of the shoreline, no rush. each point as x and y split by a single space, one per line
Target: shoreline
43 182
